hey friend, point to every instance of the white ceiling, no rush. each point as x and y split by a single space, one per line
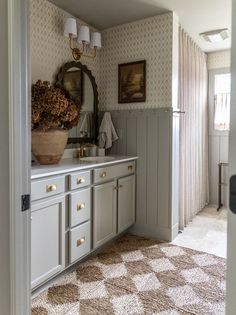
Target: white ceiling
196 16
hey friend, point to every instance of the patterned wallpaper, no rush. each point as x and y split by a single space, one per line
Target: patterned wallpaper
49 48
175 61
153 39
219 59
150 39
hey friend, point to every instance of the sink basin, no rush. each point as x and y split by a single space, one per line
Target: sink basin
98 159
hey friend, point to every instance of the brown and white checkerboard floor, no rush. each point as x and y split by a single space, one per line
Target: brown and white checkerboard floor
139 276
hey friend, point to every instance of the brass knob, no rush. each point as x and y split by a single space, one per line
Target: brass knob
80 180
130 167
120 186
80 241
51 188
103 174
81 206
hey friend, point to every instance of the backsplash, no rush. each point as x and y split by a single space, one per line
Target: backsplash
49 48
151 39
219 59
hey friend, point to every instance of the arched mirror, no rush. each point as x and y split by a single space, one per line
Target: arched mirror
80 84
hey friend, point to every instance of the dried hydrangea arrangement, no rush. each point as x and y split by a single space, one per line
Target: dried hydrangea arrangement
52 108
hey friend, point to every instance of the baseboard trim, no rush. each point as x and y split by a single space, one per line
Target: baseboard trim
159 233
174 231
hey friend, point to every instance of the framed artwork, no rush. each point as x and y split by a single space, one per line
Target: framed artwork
73 84
132 82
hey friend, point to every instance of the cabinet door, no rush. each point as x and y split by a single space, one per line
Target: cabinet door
47 240
126 202
104 213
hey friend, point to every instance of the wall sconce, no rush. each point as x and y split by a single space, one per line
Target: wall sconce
83 38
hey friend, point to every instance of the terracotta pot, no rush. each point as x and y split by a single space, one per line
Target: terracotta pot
48 146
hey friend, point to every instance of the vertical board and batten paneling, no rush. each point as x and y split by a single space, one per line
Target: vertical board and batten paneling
214 159
148 134
164 167
218 152
152 169
141 138
131 145
175 174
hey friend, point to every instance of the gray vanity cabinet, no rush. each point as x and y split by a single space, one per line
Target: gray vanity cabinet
104 213
75 212
126 202
47 239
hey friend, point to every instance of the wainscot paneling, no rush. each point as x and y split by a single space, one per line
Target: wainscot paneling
152 135
218 153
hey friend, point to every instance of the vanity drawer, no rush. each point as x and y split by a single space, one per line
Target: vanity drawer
79 180
80 241
80 206
47 187
111 172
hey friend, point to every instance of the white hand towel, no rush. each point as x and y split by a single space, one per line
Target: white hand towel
86 125
107 132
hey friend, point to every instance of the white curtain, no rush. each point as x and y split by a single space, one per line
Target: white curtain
193 129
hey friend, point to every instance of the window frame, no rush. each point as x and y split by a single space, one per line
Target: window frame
211 103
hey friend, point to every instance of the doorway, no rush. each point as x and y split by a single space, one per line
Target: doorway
22 223
15 158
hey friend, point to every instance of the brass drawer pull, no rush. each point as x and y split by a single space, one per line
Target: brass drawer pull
80 206
103 174
118 187
51 188
80 180
80 242
130 167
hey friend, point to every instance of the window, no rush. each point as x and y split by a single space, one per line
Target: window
222 88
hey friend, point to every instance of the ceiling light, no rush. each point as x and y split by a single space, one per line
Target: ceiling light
216 35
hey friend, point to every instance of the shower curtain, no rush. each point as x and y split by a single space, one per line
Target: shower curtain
193 85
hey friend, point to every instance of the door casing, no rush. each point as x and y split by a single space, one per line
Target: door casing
15 157
231 252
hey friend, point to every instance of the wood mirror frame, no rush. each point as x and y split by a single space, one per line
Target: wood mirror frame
59 83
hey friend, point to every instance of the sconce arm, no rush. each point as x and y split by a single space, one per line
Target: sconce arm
77 53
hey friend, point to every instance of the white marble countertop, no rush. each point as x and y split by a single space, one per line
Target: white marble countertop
71 165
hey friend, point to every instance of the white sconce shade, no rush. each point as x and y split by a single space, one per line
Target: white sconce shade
84 34
96 40
83 37
70 27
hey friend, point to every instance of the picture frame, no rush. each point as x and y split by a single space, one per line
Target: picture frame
132 82
73 84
